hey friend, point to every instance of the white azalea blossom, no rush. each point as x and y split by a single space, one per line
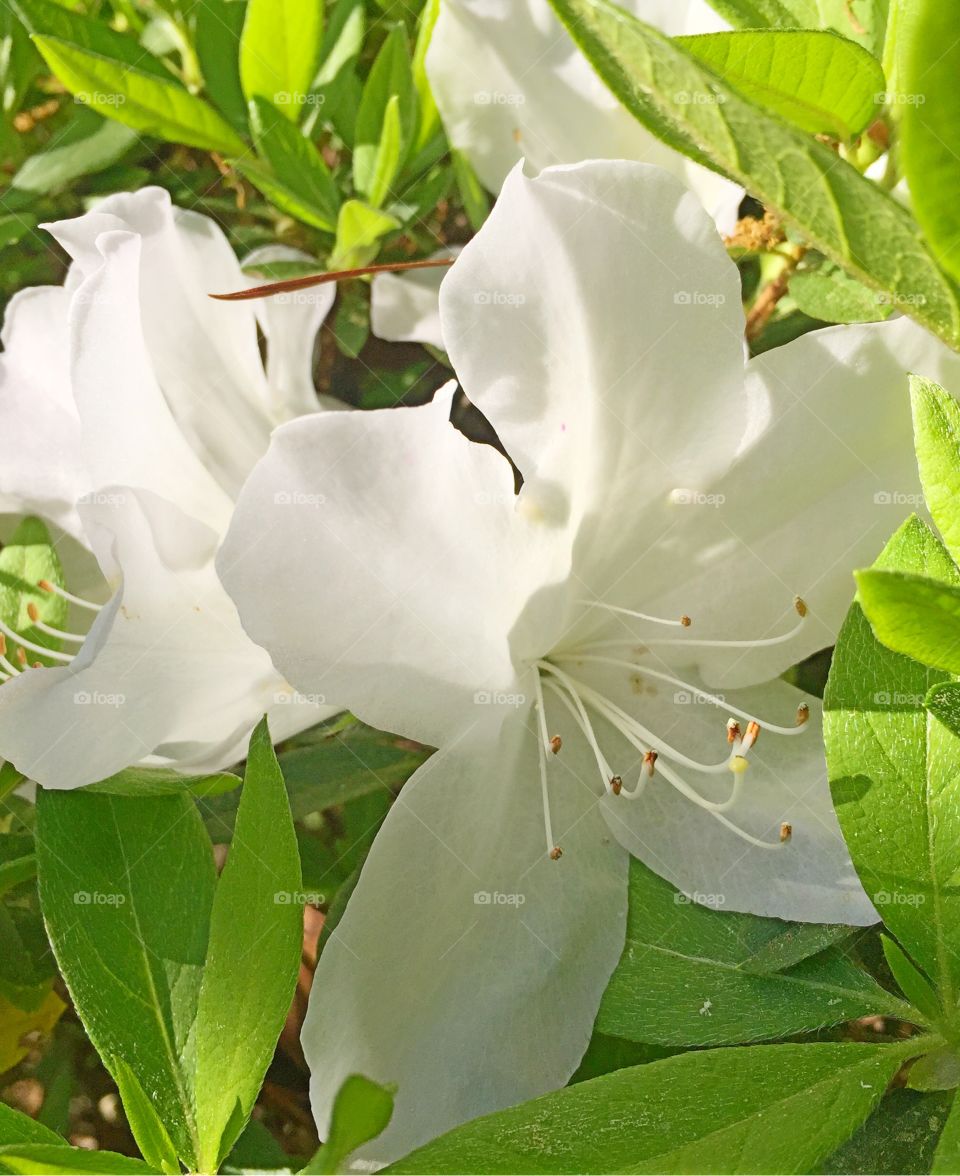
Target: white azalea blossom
133 407
596 657
510 83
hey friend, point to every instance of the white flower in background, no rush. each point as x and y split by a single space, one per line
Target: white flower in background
133 407
596 658
510 84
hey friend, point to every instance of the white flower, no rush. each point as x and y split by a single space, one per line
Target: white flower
510 83
132 408
596 321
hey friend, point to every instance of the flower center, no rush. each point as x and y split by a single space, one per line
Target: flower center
14 646
584 704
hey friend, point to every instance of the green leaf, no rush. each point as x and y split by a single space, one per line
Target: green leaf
282 196
361 1110
819 81
147 1128
138 781
943 702
17 870
937 1070
936 431
774 1108
476 203
138 99
127 888
15 1127
387 162
913 984
295 161
47 19
893 776
899 1137
257 917
913 615
946 1159
688 976
360 229
930 125
836 298
279 52
391 76
43 1158
862 21
429 115
58 166
219 24
845 216
29 558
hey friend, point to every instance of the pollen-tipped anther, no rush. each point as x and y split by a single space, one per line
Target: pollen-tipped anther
45 585
800 605
650 762
733 730
616 785
555 744
33 612
555 854
786 832
21 656
803 714
686 621
752 734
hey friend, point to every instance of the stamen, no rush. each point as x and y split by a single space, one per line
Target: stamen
34 614
555 744
650 763
47 586
576 708
786 832
753 732
684 622
733 731
10 669
679 682
53 654
553 850
21 656
616 785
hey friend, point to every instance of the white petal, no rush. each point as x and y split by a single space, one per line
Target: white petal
290 323
405 308
41 470
596 321
130 435
380 558
203 353
165 663
511 84
470 1006
826 477
809 878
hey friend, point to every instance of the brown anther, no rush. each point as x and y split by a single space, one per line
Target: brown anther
649 762
803 713
752 735
733 730
800 605
22 656
45 585
786 832
685 621
3 646
555 744
556 853
37 665
33 612
616 785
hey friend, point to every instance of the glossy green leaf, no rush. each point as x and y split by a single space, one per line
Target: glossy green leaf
938 1070
860 20
429 115
913 615
936 431
38 1159
391 76
295 161
775 1108
137 781
281 195
361 1110
219 24
819 81
127 887
845 216
138 99
48 19
893 774
943 702
836 298
15 1127
280 51
147 1128
689 975
257 917
360 230
387 161
930 125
